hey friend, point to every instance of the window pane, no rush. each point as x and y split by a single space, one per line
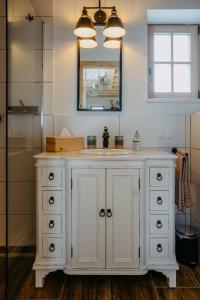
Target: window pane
181 47
162 78
162 47
182 78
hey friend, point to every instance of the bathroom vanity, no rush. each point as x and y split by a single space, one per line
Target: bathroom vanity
105 214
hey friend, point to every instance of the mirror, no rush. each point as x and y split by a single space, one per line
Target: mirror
99 76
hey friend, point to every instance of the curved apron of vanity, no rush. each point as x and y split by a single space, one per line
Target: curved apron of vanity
105 215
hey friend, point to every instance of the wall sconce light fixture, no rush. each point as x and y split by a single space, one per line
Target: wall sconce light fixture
113 30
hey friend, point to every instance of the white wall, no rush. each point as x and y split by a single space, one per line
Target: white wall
160 125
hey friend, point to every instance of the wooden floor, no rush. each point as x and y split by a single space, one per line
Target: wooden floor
152 286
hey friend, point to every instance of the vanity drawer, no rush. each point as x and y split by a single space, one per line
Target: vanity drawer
52 201
159 177
51 176
159 247
158 224
159 200
52 247
52 224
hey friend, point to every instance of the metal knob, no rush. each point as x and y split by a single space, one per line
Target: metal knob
52 248
159 224
51 200
159 176
102 213
159 200
51 176
109 213
159 248
51 224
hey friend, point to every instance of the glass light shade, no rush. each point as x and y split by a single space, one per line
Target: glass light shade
88 42
112 43
114 27
84 32
114 32
85 28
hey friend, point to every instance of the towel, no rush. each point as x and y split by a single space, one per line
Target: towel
183 193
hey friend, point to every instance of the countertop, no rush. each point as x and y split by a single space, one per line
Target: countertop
136 155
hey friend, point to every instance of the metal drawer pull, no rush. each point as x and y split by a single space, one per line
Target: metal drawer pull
109 213
159 176
52 248
51 200
159 248
51 176
51 224
102 213
159 224
159 201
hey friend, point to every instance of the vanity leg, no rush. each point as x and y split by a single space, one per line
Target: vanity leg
171 275
39 278
172 279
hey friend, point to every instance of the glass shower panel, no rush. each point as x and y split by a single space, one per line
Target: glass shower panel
25 84
2 148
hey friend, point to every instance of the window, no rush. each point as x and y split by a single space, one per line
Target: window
173 63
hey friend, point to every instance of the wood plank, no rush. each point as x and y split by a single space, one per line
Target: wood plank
178 294
196 272
18 270
86 287
145 288
132 288
169 294
190 294
122 288
185 278
2 277
52 287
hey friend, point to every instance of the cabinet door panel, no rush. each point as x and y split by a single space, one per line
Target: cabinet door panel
122 228
88 230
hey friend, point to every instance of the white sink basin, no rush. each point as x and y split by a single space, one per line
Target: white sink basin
108 152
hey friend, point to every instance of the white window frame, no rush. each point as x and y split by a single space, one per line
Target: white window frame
172 96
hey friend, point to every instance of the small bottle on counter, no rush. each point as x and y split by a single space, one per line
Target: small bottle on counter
136 142
119 142
91 142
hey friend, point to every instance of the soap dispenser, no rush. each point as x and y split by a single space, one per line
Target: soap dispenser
136 142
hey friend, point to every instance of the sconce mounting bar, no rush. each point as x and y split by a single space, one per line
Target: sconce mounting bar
99 6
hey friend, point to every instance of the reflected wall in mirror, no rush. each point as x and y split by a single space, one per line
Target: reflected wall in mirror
99 76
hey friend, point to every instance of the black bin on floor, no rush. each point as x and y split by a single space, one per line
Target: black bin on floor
187 245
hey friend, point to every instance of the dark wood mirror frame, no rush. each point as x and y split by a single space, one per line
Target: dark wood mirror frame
78 84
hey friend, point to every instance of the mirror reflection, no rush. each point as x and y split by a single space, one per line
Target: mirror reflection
99 81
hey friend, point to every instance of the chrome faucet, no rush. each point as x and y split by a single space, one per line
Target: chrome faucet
105 137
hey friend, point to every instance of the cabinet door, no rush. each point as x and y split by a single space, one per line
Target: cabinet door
122 228
88 230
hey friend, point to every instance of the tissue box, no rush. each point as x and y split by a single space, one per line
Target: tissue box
60 143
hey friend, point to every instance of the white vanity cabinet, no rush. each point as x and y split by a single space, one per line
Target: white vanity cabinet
88 227
105 217
112 215
122 218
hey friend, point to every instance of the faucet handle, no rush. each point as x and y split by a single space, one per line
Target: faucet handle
21 102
